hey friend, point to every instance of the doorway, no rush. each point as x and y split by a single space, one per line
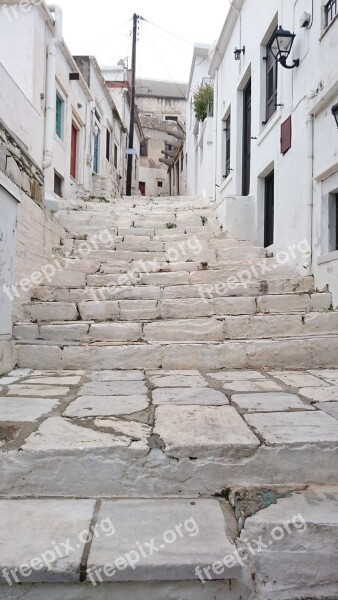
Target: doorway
73 151
142 187
246 159
269 209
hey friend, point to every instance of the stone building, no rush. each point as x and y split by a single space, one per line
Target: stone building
161 104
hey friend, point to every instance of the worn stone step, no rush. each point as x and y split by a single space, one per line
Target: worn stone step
297 532
133 321
126 255
304 351
135 232
288 291
266 326
99 307
198 230
184 534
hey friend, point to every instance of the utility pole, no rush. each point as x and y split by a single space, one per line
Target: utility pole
132 109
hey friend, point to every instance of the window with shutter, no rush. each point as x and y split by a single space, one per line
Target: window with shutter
271 81
227 145
333 222
59 116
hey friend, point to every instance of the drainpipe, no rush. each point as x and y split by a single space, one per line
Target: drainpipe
55 42
307 265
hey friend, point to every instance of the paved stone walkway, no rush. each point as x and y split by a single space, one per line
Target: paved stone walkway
184 413
162 433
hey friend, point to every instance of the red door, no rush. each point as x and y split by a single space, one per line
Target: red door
142 188
73 152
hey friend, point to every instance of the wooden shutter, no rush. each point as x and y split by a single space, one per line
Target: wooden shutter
286 136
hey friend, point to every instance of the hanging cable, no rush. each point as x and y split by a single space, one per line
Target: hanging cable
99 42
169 32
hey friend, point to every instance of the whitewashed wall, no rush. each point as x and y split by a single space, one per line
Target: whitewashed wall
200 136
300 179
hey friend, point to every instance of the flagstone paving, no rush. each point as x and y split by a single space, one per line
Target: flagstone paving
192 413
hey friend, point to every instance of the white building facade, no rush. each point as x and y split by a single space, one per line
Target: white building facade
47 147
60 115
200 134
275 140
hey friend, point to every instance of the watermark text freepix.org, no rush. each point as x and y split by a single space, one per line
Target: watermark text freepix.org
143 551
255 270
47 272
246 549
57 551
13 11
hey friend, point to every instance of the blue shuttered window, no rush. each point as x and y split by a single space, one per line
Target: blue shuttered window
59 116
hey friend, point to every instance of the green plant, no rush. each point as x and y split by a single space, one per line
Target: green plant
204 220
171 225
203 101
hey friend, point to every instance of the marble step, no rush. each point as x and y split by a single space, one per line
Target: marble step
189 249
297 532
258 311
301 351
227 250
130 326
292 288
86 548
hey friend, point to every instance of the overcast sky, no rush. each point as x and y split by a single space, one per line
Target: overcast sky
101 28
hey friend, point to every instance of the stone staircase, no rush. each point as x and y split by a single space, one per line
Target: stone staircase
157 284
153 445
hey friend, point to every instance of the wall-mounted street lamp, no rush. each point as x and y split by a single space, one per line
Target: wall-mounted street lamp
281 47
334 111
238 52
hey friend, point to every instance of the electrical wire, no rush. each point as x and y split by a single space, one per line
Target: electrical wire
99 42
165 66
170 33
179 50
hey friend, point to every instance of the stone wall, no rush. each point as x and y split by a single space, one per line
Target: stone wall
18 166
37 231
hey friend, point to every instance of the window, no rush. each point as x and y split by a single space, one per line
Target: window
171 118
58 184
108 142
144 148
59 116
271 81
331 10
227 148
160 184
74 150
115 156
333 222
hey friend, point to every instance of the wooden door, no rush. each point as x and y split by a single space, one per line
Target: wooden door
246 167
73 151
269 212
